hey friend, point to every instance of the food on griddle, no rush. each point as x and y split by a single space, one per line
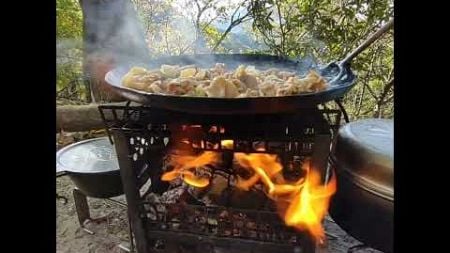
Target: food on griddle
245 81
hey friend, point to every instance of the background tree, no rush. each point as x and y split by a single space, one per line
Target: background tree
328 30
323 30
69 20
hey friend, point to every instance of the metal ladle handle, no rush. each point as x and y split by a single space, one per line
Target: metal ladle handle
368 42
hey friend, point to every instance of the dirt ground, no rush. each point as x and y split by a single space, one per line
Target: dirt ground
113 230
109 232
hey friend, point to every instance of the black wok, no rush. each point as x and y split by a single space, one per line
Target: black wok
338 74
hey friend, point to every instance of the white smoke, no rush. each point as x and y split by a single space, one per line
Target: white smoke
112 28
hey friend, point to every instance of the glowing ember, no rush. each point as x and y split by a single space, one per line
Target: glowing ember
191 179
227 144
259 147
213 129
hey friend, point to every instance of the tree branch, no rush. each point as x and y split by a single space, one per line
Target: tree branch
371 91
386 89
233 23
277 3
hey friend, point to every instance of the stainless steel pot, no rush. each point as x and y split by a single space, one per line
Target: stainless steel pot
93 167
362 156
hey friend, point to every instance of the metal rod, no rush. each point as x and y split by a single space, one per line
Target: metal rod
368 41
130 233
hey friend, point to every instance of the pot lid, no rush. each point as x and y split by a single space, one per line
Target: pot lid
364 150
89 156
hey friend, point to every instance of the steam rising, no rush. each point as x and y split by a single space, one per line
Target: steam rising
116 35
112 29
67 50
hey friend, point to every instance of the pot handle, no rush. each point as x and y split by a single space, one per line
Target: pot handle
342 65
372 38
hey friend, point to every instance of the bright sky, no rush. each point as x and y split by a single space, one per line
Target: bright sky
180 6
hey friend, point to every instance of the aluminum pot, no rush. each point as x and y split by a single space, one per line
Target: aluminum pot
362 158
92 166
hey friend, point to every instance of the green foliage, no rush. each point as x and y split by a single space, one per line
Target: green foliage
325 29
69 19
212 36
329 30
69 24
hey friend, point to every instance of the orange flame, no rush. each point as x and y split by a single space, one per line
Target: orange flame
185 166
253 161
310 205
307 200
191 179
302 204
227 144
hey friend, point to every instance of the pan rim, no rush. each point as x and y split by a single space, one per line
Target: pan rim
61 167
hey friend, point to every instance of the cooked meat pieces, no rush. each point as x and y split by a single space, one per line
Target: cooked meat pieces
245 81
221 87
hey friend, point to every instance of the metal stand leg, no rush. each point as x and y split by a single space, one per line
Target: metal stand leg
130 234
129 249
130 231
82 208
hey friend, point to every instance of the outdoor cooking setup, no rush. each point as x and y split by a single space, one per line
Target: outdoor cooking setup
191 167
141 148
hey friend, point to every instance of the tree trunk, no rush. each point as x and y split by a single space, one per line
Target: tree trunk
111 35
378 109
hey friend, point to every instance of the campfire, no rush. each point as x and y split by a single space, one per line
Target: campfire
212 180
302 203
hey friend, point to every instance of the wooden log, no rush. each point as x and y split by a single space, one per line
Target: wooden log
77 118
